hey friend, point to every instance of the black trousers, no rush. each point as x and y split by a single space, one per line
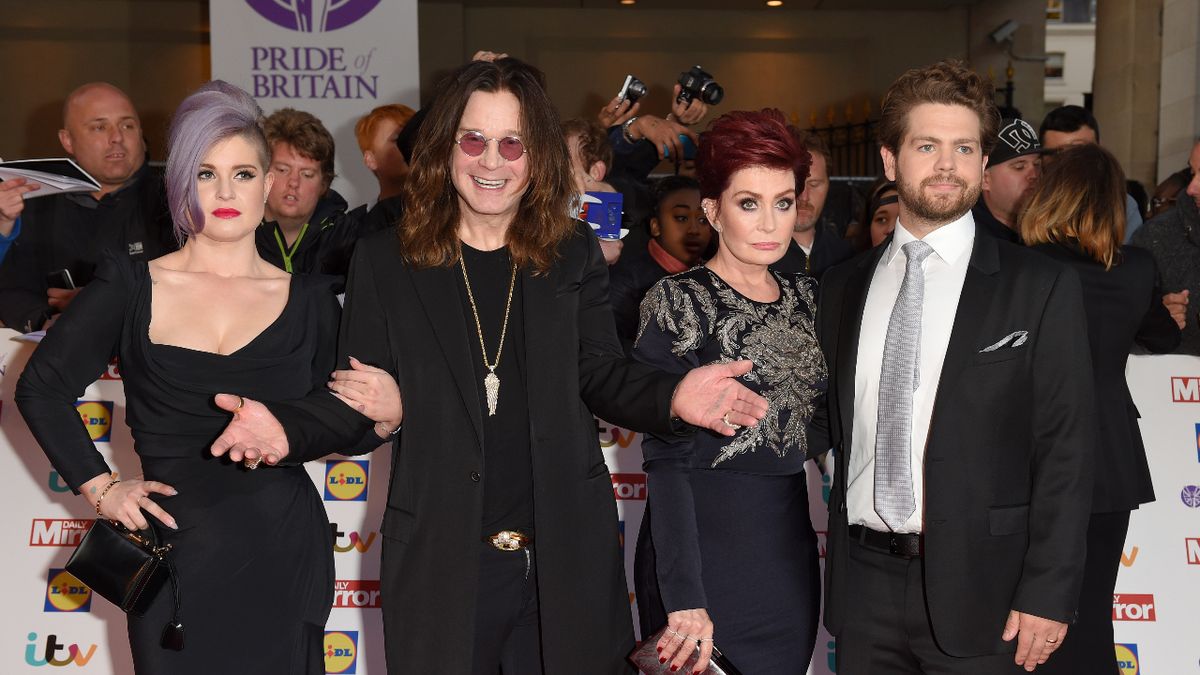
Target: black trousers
507 623
887 629
1088 647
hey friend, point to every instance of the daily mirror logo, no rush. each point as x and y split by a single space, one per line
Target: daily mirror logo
1133 607
58 531
312 16
356 593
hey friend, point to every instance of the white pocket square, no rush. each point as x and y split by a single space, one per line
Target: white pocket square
1014 339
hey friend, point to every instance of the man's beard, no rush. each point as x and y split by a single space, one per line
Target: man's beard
940 210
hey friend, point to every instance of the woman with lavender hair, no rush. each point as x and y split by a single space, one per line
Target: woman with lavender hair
211 317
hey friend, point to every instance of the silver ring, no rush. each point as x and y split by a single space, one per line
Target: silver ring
251 464
731 425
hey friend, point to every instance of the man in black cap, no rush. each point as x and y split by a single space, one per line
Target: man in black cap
1013 170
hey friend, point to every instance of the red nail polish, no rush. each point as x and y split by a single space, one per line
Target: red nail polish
659 649
674 668
662 660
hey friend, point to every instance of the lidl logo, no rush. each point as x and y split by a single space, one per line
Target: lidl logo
346 480
58 532
97 418
77 654
341 651
65 593
1133 607
356 593
629 486
1127 659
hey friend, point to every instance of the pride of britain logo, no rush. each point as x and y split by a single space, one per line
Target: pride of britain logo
312 16
1190 496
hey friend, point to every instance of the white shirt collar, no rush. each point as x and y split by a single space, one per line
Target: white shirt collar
949 241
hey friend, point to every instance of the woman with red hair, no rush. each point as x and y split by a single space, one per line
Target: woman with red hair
729 552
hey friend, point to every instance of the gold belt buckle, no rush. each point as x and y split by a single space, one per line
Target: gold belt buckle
509 540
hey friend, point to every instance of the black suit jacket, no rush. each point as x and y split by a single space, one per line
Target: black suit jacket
1123 307
411 323
828 250
1008 461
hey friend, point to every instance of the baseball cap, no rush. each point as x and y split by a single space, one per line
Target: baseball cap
1017 138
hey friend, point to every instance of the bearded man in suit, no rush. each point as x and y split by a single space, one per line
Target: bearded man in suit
960 412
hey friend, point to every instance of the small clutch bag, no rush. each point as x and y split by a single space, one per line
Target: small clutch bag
129 569
645 657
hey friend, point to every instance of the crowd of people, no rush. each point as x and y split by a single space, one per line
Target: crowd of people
955 356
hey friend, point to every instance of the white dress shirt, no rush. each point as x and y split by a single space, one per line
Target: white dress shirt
945 270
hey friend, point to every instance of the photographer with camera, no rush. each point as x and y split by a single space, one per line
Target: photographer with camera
640 142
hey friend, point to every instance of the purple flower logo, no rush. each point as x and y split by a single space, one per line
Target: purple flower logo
1191 495
312 16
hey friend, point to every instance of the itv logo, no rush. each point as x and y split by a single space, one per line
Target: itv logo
357 541
49 655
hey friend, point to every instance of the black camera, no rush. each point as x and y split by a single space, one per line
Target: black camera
632 90
696 83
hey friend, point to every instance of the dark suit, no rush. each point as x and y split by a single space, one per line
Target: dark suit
828 250
1007 470
1123 307
411 323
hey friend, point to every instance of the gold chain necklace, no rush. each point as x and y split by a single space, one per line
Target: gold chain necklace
491 382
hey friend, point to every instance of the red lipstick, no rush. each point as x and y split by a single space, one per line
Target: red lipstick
227 213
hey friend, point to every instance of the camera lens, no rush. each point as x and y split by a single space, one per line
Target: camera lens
636 90
712 93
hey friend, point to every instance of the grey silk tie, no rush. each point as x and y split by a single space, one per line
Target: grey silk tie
898 378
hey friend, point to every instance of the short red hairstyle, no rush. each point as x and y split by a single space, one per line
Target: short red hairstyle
743 139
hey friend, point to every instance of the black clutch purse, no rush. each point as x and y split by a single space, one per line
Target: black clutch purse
645 658
129 569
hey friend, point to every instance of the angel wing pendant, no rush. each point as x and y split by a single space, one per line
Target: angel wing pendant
491 387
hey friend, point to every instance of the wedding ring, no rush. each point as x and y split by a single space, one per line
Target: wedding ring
1052 640
729 424
251 464
241 402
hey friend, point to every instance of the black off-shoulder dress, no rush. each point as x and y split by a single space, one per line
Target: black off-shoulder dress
254 551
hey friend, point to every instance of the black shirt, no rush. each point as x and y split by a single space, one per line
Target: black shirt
72 232
507 462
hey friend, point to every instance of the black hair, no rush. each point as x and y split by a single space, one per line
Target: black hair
1068 118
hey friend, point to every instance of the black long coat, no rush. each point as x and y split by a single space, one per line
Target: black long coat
410 322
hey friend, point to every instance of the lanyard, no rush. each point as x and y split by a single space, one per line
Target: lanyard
286 252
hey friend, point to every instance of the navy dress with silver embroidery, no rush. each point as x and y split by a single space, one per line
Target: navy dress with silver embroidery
727 521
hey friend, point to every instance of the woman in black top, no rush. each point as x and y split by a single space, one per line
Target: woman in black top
734 554
213 316
1077 216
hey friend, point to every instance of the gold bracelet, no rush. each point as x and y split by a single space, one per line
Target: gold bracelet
103 492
